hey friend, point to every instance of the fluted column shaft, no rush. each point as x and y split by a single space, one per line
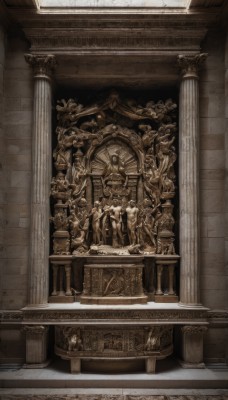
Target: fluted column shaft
189 179
41 177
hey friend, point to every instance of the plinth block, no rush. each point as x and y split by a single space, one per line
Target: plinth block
117 283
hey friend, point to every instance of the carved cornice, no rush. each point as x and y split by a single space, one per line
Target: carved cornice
42 65
218 317
190 64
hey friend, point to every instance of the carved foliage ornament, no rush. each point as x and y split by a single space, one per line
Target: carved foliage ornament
190 65
115 177
41 64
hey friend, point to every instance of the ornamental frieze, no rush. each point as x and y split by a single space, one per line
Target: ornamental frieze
128 315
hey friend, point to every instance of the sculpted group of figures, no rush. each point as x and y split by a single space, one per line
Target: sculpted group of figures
115 176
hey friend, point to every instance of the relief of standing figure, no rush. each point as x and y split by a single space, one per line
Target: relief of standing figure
116 221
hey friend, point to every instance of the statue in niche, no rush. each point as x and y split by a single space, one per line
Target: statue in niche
96 222
132 217
116 213
114 179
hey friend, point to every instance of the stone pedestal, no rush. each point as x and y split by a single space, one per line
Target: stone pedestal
189 180
113 280
192 346
36 346
61 279
41 177
166 285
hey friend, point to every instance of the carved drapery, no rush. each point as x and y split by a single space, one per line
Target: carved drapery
189 179
115 177
42 66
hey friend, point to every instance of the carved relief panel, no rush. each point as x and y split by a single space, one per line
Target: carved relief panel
115 178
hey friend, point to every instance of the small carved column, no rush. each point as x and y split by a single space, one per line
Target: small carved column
36 346
188 178
41 177
192 346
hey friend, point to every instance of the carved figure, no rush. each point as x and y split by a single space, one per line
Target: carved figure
74 343
78 241
114 178
60 188
79 177
132 217
60 220
153 341
96 222
116 221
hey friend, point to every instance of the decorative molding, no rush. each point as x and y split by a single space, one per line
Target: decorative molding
78 316
194 329
113 397
123 42
218 318
11 316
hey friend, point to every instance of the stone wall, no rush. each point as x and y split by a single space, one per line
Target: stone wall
212 180
2 155
18 95
15 200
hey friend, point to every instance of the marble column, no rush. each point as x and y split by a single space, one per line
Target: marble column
42 66
189 178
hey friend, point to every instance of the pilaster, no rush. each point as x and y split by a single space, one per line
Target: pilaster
189 179
192 346
42 66
36 346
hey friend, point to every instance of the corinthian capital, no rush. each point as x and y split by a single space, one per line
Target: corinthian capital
41 64
190 65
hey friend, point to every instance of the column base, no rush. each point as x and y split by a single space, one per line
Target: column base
61 299
166 298
37 366
188 365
